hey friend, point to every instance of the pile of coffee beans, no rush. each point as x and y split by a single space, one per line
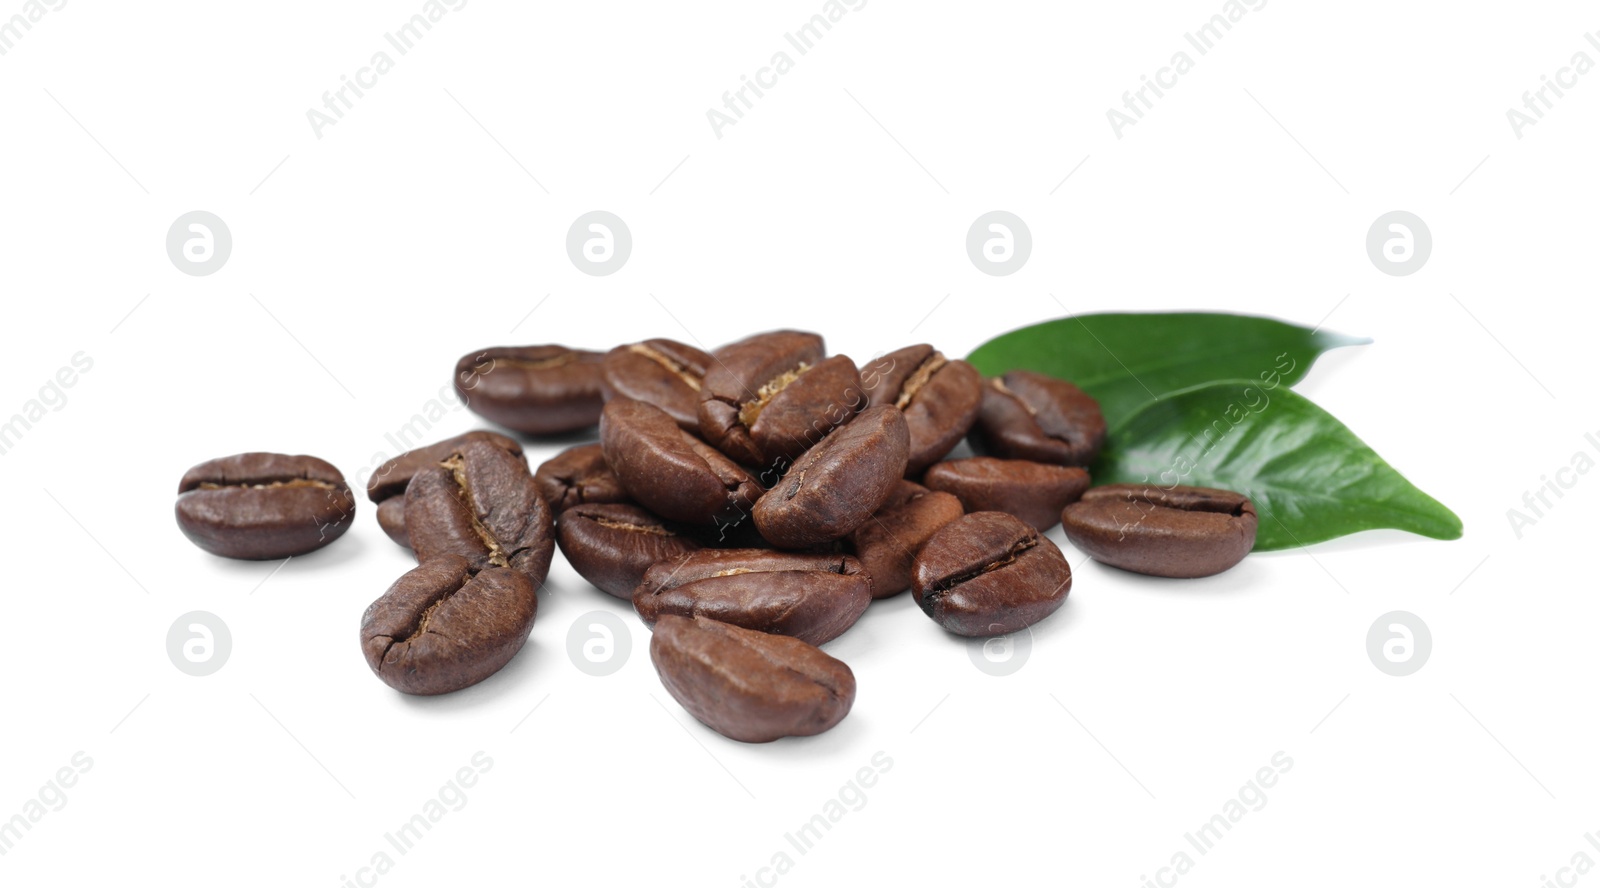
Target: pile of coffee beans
750 502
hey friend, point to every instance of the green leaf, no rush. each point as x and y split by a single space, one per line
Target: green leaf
1127 360
1310 477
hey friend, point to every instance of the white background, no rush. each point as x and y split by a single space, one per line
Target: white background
410 233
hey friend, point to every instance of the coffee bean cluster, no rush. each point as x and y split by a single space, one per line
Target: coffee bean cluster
750 502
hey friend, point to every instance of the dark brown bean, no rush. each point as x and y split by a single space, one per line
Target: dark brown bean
1179 532
576 476
264 505
481 503
387 486
837 484
747 685
887 543
1035 492
444 626
801 412
812 597
612 545
939 397
988 573
758 405
1027 415
671 472
662 372
392 518
533 389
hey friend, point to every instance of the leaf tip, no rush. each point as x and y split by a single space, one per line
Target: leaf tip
1340 340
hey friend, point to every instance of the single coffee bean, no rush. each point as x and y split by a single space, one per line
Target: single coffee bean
812 597
747 685
1027 415
612 545
1035 492
660 372
768 398
939 397
533 389
1164 532
264 505
837 484
387 486
671 472
481 503
392 518
444 626
887 543
801 412
988 573
576 476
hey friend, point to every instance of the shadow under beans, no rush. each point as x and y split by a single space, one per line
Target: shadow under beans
519 678
570 589
589 435
846 735
341 551
1363 541
535 670
1244 578
882 621
1065 620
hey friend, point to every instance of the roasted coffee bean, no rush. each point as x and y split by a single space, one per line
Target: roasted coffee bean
770 397
671 472
264 505
1027 415
612 545
576 476
837 484
748 685
445 626
1035 492
660 372
392 518
887 543
387 486
989 573
939 397
814 598
533 389
1164 532
480 503
800 412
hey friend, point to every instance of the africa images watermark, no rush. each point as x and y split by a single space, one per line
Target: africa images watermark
852 796
52 796
1235 414
1565 479
1252 796
12 29
452 796
1578 865
1203 39
803 39
418 430
403 39
1537 101
52 395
